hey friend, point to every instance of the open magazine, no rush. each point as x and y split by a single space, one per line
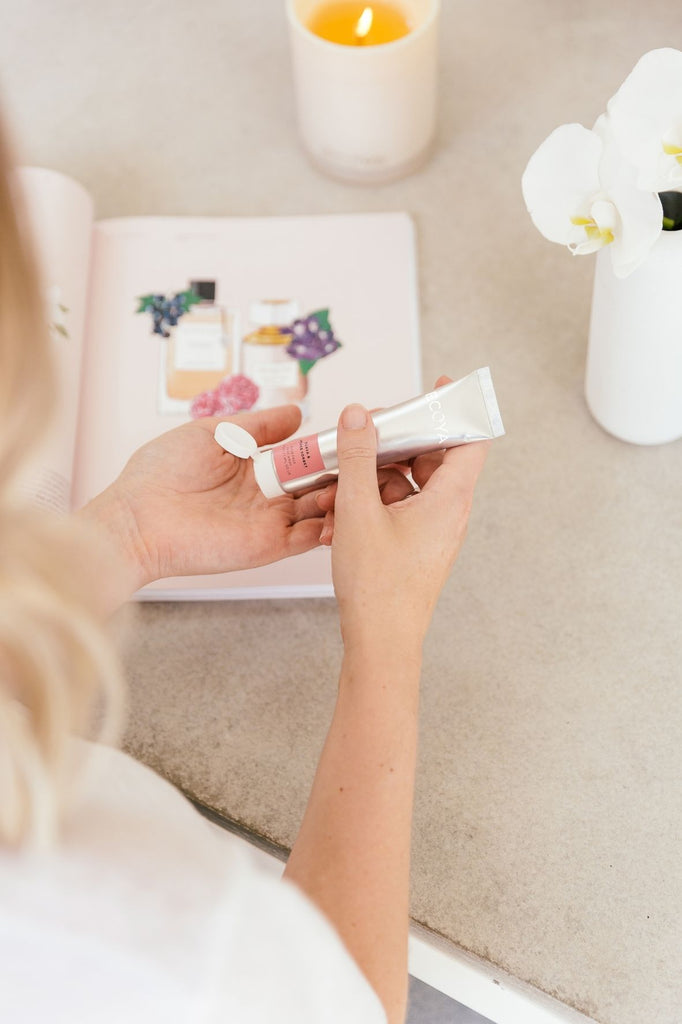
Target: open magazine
156 320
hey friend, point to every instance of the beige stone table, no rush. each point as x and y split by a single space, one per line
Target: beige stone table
547 821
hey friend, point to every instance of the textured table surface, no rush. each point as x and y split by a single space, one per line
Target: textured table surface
547 820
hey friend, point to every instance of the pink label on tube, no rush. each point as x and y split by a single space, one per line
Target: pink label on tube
297 458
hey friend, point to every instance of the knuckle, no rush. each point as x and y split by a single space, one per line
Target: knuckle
357 452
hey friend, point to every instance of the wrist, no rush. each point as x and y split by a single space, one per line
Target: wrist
378 650
391 630
129 561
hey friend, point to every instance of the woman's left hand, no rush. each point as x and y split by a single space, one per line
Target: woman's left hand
184 506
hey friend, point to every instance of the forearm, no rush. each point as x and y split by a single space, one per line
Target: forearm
352 855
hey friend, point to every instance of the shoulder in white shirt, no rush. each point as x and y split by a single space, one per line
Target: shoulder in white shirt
143 915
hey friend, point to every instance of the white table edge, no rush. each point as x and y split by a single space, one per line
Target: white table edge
479 985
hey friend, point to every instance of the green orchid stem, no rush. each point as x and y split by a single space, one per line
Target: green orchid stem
671 203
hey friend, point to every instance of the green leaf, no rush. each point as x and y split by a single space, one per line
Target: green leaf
322 317
190 297
146 302
306 365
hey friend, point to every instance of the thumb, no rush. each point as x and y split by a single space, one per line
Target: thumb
356 444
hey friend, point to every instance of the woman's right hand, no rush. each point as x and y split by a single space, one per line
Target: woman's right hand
390 561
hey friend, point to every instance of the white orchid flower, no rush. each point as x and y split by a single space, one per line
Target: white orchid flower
580 192
646 119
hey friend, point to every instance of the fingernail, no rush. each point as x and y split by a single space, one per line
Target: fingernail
324 499
354 417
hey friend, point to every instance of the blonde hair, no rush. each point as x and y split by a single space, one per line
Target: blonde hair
58 670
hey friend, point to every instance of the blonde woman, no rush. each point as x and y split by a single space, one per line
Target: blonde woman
118 902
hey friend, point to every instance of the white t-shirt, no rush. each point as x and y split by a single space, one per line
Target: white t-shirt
142 914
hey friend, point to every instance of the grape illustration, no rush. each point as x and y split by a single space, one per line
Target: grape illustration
166 310
313 339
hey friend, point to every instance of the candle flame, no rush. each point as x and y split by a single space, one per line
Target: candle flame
364 23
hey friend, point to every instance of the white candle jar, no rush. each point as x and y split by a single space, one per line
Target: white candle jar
366 114
633 381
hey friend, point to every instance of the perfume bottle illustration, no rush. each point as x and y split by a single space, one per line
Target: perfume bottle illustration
199 352
264 356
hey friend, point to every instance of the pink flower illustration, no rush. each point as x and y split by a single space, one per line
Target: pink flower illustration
239 391
205 404
234 394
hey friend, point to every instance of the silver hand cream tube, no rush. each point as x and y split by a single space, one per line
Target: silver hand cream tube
465 410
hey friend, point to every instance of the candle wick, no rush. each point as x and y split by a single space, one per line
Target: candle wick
364 24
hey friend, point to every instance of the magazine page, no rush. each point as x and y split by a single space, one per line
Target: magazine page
206 316
60 215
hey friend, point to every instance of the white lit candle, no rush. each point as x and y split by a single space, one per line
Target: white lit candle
365 80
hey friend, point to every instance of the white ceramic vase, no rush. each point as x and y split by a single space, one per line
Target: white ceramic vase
633 380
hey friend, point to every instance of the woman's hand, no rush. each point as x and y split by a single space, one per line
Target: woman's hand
183 505
390 561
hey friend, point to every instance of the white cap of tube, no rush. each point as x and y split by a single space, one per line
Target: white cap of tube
239 442
236 440
266 477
